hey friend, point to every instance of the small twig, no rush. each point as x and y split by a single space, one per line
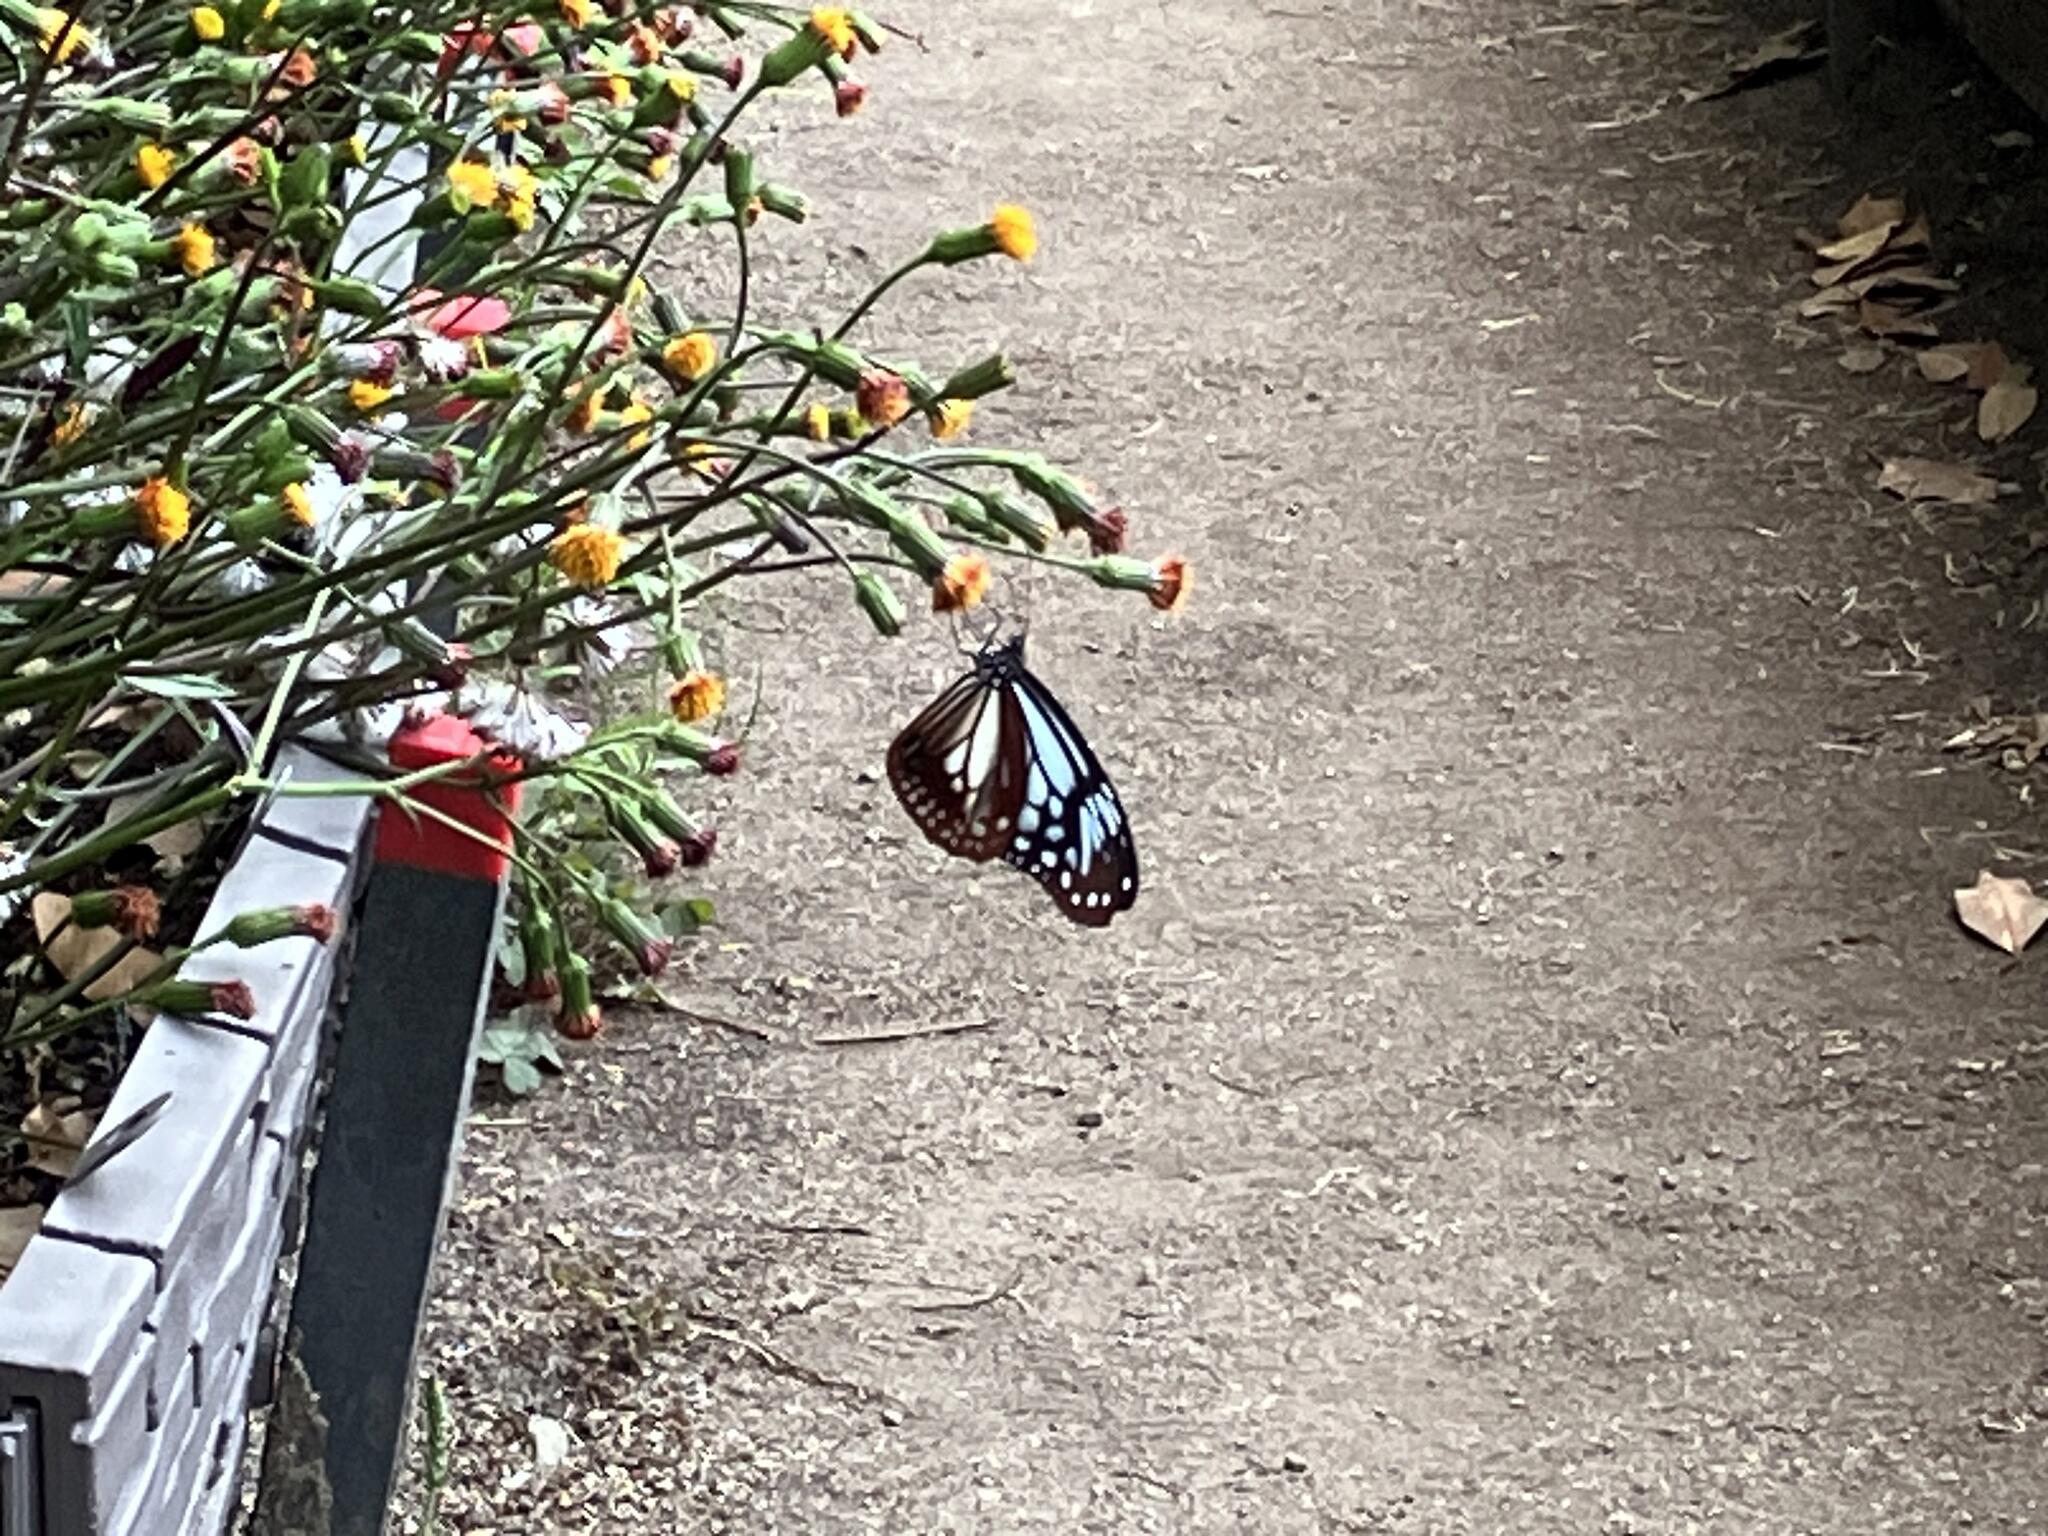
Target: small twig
737 1026
968 1304
912 1032
818 1228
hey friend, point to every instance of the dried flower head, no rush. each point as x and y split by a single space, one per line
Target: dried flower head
696 695
163 512
587 555
963 583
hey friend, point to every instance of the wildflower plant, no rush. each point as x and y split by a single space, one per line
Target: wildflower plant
261 479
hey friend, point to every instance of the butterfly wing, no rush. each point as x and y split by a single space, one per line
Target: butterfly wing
1072 836
958 768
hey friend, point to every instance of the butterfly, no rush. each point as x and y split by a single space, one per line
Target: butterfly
994 767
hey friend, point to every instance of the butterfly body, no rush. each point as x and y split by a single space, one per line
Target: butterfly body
996 768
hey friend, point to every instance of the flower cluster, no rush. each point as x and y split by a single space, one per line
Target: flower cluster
340 381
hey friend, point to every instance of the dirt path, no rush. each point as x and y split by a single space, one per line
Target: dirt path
1540 1090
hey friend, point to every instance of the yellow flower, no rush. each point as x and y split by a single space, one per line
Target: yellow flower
153 165
522 191
583 414
50 26
681 86
619 89
578 13
357 148
299 502
833 24
504 112
697 695
476 181
692 356
817 421
366 394
1016 236
164 511
71 425
658 168
194 249
587 554
271 8
949 418
963 583
636 412
208 24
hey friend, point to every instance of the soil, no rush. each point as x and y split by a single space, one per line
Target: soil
1542 1087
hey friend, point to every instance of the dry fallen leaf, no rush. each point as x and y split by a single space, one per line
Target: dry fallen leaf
1827 302
75 951
1898 320
2002 909
180 840
2006 405
1948 363
1931 480
1798 48
1862 359
56 1131
1868 212
18 1223
2013 138
1861 246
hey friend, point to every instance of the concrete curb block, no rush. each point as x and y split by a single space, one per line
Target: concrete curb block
129 1326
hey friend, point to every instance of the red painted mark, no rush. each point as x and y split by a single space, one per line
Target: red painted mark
476 799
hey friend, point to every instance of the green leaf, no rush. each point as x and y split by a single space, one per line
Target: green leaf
188 685
685 917
521 1078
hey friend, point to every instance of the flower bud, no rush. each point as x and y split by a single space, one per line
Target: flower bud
260 925
978 379
579 1017
648 945
131 910
190 998
879 603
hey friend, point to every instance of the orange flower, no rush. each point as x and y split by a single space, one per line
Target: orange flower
949 418
883 398
587 555
582 415
1173 576
692 355
697 695
193 247
835 25
962 584
51 25
153 165
578 13
71 425
164 511
1015 235
477 182
300 70
637 411
244 160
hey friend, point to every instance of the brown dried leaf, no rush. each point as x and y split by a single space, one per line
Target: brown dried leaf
1864 359
74 951
180 840
1931 480
1910 281
1895 320
18 1223
2006 405
1945 364
56 1131
1868 212
2002 909
1827 302
1861 246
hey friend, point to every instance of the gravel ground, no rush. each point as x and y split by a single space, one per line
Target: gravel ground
1542 1088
